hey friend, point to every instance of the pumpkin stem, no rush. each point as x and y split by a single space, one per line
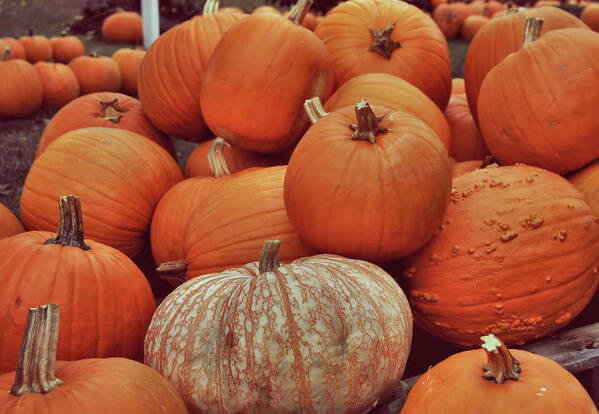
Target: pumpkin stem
30 32
368 126
216 158
501 365
6 54
485 11
382 42
314 109
532 30
269 258
210 7
489 159
37 356
111 110
173 272
299 11
70 227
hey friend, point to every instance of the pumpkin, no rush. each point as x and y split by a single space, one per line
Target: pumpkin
586 181
590 16
310 21
449 21
378 194
115 385
172 102
59 82
103 109
535 129
393 92
289 64
21 91
96 74
457 86
9 224
37 47
266 9
17 48
472 25
517 255
123 26
365 36
66 48
129 61
119 175
463 167
286 337
7 51
497 380
107 301
485 52
467 142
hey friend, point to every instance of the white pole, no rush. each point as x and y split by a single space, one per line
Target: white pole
151 21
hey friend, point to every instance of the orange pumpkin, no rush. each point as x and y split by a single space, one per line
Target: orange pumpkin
37 48
59 82
106 300
123 26
285 336
472 25
463 167
96 74
388 36
457 86
266 9
7 52
467 142
517 256
111 385
102 109
495 380
586 181
119 175
66 48
17 48
9 224
21 91
449 20
590 16
393 92
129 62
378 194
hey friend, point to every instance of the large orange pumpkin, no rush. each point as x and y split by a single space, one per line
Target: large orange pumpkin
129 61
517 256
388 36
59 82
498 380
106 300
21 91
119 175
321 334
110 385
96 74
586 181
37 47
66 48
17 48
466 140
9 224
533 106
378 194
123 26
104 109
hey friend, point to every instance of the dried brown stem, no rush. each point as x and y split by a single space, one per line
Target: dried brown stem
314 109
269 258
382 42
532 30
216 158
6 54
111 110
501 365
173 272
70 226
368 126
299 11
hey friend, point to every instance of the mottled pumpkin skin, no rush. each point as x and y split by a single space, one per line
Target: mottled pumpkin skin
9 224
517 256
456 385
102 385
586 181
322 334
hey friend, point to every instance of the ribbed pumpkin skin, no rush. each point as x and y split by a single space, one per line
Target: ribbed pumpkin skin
377 202
590 16
466 140
125 26
456 385
59 82
285 341
21 91
86 111
102 385
129 61
472 25
37 48
587 182
393 92
170 75
551 127
106 303
9 224
229 228
96 74
474 277
485 52
423 59
119 175
66 48
17 48
257 80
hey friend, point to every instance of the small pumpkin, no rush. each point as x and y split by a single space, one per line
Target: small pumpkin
17 48
590 16
449 20
467 142
66 48
96 74
123 26
129 61
37 47
586 180
59 82
457 86
463 167
472 25
21 91
9 224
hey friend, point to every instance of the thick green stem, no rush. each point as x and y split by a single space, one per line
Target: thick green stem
269 258
70 227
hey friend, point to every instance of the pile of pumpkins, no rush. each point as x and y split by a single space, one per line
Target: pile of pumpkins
343 187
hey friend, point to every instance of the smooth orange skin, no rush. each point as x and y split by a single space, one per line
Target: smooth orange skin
170 76
257 80
457 86
423 60
393 92
472 25
377 202
231 225
467 142
485 52
21 91
37 48
119 175
467 281
129 61
586 181
9 223
551 127
16 46
106 303
126 27
59 82
590 16
66 48
96 74
456 385
85 112
102 385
